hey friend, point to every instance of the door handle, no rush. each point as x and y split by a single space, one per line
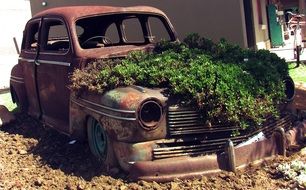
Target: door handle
36 62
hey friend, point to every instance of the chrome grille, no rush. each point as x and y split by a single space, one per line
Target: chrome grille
185 121
190 136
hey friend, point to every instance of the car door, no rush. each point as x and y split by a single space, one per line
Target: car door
53 67
26 59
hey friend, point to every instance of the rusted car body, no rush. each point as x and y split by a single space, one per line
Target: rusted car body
145 133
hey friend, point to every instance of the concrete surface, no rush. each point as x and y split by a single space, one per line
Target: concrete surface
287 51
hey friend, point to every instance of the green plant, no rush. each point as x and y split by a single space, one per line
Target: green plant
229 84
298 74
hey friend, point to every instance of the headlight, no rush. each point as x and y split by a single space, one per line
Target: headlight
149 114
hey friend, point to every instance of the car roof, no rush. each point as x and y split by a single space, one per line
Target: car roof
75 12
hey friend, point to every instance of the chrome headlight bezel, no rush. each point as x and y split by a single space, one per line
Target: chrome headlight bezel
150 113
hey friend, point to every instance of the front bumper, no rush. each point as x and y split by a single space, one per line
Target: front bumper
189 167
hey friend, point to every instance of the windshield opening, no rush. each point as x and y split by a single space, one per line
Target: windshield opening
122 29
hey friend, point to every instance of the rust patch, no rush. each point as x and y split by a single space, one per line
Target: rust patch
115 129
130 100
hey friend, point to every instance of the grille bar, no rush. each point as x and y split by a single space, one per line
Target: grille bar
184 122
159 150
194 153
182 130
196 149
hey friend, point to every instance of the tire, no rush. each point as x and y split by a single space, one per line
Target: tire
15 100
289 88
100 144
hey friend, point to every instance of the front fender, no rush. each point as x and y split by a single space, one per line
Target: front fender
129 98
117 111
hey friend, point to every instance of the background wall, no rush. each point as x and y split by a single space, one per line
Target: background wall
13 16
260 24
213 19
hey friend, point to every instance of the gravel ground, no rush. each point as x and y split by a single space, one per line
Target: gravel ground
35 157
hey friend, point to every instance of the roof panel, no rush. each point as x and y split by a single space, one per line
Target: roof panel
74 12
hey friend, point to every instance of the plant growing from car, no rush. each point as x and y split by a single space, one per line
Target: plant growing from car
229 84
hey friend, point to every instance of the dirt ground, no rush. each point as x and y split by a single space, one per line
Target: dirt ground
35 157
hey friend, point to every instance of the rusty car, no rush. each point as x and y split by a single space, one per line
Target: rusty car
136 128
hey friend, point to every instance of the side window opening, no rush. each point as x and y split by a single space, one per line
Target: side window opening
31 37
56 36
158 30
23 43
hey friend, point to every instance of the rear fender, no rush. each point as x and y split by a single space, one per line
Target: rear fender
17 88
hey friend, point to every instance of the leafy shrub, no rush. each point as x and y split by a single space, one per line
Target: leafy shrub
227 83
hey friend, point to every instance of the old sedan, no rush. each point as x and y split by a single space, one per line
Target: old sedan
137 128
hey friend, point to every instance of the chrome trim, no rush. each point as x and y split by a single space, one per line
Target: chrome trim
46 62
16 78
107 108
30 51
25 59
102 113
54 62
13 80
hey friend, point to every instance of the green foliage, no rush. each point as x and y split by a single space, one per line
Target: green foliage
229 84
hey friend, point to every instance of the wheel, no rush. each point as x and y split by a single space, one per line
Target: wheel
100 144
15 100
289 88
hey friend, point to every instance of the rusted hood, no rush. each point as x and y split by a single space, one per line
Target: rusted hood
114 51
129 98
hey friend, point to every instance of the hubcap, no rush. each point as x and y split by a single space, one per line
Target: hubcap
99 140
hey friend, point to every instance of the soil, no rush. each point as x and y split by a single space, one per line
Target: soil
35 157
